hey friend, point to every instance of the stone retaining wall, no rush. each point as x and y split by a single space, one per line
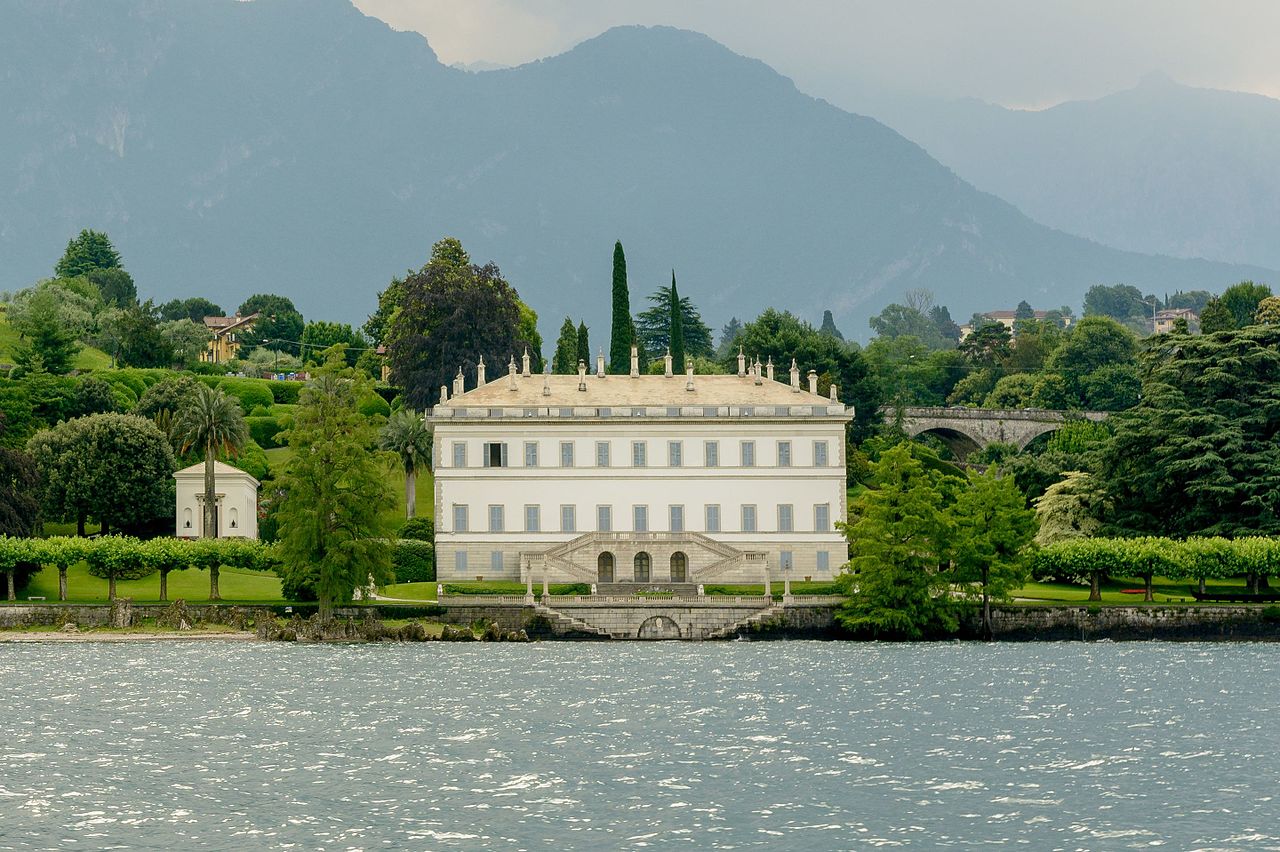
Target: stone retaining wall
1187 623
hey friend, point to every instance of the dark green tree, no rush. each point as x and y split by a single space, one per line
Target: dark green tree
92 396
623 331
828 326
900 541
531 338
136 339
584 343
653 326
992 527
1242 301
565 360
453 314
115 469
319 335
728 344
48 337
1094 342
1121 302
898 320
1024 311
195 309
19 491
677 329
279 324
989 346
89 251
332 532
947 329
1215 317
116 287
1193 299
378 325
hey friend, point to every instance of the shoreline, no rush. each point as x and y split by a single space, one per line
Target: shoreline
125 636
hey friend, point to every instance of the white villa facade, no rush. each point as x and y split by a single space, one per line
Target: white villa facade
237 506
639 479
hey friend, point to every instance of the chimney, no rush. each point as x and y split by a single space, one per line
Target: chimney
511 373
666 364
600 363
835 397
444 394
524 363
480 373
813 381
755 371
635 361
458 383
769 368
795 376
546 382
582 375
688 385
742 363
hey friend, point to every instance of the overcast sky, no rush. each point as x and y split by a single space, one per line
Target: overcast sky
1025 53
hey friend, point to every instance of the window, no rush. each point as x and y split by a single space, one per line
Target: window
639 453
675 453
822 517
786 517
460 560
604 518
495 561
713 518
497 521
495 455
748 518
711 451
530 453
824 560
568 518
784 454
677 518
602 453
748 453
786 561
533 519
459 454
820 457
459 518
566 453
640 518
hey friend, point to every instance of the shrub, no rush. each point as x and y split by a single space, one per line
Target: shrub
260 411
373 405
252 460
419 529
263 431
250 392
413 561
285 393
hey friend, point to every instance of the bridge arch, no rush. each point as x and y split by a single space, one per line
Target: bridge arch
659 627
967 429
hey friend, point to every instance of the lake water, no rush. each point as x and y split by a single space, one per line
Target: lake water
782 745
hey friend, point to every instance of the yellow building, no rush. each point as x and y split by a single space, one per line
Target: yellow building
224 345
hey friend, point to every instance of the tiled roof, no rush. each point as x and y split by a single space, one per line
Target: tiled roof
562 391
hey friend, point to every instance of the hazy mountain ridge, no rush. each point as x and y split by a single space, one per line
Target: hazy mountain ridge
302 148
1161 167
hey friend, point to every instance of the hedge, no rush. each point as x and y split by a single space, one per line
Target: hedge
125 557
285 393
372 405
263 431
1195 558
250 392
413 561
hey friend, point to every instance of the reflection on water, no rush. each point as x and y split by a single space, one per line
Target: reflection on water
786 745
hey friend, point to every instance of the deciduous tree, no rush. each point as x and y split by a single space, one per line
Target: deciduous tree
992 527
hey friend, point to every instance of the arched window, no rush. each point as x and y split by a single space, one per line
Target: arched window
642 564
604 568
679 568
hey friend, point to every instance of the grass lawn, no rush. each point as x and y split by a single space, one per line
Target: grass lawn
410 591
1163 589
395 516
235 586
88 358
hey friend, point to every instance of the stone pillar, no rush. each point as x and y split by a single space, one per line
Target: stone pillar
458 383
582 375
528 584
635 361
600 363
768 369
742 363
666 364
480 373
524 363
546 586
795 377
786 587
813 381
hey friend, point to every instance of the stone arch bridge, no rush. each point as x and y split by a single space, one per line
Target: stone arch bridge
965 430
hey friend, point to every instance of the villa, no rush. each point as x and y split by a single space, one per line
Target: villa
639 479
224 339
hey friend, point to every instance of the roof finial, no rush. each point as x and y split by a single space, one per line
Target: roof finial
459 383
769 368
666 363
795 376
511 373
582 375
635 361
480 373
742 362
546 381
600 364
524 363
813 381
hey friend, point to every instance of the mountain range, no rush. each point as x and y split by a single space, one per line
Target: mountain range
299 147
1161 168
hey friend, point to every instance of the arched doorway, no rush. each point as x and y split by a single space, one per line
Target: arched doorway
643 564
659 627
604 568
679 568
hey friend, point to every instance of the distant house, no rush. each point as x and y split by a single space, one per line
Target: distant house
1005 318
1165 320
237 502
224 345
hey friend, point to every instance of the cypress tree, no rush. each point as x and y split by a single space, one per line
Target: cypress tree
584 346
677 329
623 333
565 361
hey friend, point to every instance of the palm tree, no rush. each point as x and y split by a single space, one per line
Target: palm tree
408 436
212 421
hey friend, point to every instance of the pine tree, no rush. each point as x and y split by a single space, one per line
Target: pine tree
1216 317
623 332
565 361
828 326
584 345
992 528
676 329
